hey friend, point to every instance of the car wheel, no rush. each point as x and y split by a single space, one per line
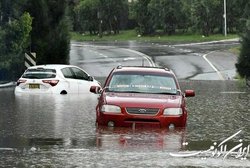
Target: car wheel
63 92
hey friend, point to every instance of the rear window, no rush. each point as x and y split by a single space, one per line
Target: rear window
39 73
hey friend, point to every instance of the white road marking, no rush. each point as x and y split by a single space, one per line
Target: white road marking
214 68
146 57
209 42
232 92
150 61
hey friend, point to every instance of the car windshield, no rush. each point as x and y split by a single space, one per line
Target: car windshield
39 73
146 83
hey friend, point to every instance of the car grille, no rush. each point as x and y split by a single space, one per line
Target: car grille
147 111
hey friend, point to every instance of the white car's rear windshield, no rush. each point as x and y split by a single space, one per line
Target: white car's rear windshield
146 83
39 73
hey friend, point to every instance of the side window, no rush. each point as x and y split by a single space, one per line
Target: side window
79 74
67 73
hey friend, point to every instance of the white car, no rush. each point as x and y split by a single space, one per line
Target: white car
55 78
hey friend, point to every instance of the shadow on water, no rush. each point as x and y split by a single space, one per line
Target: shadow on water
60 131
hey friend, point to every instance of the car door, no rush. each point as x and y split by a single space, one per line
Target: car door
83 81
70 80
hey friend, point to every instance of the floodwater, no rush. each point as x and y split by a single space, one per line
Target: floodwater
59 131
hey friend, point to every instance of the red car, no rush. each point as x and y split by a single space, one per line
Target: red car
141 96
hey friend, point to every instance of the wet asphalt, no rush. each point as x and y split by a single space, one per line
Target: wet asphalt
59 131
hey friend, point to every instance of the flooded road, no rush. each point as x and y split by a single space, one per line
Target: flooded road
59 131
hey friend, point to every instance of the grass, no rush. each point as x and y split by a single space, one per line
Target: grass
235 50
131 35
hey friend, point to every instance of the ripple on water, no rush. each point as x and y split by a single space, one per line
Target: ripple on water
61 131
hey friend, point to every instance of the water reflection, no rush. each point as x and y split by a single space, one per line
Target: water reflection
54 115
106 139
140 139
59 130
46 116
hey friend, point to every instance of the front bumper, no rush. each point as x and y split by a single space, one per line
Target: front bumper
122 120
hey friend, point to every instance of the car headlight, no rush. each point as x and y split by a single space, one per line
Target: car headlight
110 108
173 111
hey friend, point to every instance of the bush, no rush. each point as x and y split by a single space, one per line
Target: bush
243 64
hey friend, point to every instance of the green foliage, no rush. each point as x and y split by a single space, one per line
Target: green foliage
206 15
243 63
14 39
112 12
50 39
98 16
143 17
18 33
131 35
168 16
50 35
238 13
87 15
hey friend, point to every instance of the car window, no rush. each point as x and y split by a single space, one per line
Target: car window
79 74
39 73
142 83
67 73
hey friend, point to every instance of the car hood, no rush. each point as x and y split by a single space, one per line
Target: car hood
142 100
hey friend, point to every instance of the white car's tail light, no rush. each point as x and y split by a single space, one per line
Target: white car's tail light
110 108
20 81
51 82
173 111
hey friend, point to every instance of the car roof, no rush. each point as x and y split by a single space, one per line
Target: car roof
146 69
51 66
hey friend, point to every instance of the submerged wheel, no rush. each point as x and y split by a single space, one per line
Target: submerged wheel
96 124
63 92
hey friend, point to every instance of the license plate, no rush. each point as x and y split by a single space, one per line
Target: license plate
34 86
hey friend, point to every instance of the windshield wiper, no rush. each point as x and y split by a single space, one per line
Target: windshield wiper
178 92
31 77
125 91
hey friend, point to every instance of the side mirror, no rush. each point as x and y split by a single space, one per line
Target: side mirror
90 78
189 93
95 89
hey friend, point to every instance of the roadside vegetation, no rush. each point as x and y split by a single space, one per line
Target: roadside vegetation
131 35
47 26
243 63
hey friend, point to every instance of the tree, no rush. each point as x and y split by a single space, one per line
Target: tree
172 8
143 17
237 15
168 17
101 15
243 63
184 15
71 14
87 14
14 39
112 12
15 27
206 15
50 34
